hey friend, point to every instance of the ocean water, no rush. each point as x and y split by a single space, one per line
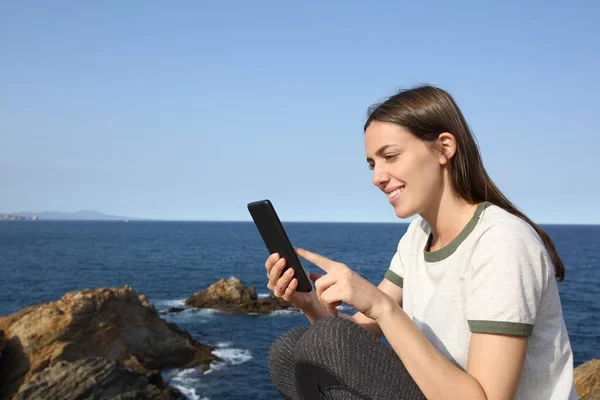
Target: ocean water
170 261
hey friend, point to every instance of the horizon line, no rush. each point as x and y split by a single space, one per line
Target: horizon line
129 220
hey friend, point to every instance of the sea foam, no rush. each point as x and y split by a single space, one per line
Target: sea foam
283 312
228 356
185 381
169 303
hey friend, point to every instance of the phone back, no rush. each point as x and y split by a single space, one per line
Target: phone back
275 238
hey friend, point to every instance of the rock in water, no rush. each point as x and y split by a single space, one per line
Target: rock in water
114 324
95 378
587 380
173 310
231 295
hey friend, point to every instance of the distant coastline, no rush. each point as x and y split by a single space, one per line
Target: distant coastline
80 215
10 217
90 215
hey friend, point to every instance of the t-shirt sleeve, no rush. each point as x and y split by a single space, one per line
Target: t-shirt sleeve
395 272
507 276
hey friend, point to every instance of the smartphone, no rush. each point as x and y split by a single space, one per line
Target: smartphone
277 241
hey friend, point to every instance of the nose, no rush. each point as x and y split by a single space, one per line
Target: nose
380 177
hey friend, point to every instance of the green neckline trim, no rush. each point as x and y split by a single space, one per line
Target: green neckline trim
450 248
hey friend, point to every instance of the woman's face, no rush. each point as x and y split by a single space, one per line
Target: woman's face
404 168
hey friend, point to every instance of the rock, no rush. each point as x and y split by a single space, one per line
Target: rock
114 324
173 310
95 378
146 303
593 395
230 291
231 295
587 380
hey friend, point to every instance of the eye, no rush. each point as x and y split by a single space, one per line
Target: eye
390 157
371 166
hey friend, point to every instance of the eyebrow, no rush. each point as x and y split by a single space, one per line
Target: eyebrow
381 150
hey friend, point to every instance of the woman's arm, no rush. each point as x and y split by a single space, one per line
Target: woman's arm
392 290
494 365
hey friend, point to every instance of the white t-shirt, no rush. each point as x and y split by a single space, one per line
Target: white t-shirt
495 277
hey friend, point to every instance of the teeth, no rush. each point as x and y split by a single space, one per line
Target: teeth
396 192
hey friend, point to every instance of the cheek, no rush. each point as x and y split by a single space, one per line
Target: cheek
424 171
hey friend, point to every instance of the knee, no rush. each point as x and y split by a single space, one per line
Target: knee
336 340
282 348
281 361
333 333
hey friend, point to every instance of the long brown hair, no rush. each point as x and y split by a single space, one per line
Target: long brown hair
428 111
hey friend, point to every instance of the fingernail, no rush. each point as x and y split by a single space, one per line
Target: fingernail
289 272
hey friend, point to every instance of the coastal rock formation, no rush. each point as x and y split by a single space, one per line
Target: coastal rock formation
98 377
587 380
113 324
231 295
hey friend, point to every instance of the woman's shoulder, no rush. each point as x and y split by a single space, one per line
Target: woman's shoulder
508 244
498 224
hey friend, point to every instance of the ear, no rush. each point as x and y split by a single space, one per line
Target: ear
446 144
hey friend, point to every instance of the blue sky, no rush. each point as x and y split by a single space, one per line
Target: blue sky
190 110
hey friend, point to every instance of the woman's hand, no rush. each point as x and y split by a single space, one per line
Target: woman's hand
341 284
284 286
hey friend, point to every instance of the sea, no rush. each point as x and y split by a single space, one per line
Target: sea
40 261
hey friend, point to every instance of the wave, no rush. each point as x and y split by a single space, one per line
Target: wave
169 303
228 356
233 356
263 295
186 381
192 315
189 393
284 312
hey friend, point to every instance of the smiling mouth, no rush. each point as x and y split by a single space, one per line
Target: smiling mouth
395 192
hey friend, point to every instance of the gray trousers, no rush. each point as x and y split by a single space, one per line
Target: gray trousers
337 359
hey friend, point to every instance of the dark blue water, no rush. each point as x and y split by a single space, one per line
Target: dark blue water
169 261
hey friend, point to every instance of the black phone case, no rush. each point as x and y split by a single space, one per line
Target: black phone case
277 241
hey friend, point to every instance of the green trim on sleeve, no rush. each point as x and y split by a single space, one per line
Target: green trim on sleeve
501 327
394 278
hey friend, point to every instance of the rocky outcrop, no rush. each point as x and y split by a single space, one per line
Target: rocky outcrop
113 324
95 378
231 295
172 310
587 380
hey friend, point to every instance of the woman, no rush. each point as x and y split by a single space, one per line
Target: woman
469 304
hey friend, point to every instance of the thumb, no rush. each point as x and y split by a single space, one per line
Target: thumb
313 276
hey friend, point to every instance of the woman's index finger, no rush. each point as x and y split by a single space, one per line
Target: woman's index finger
320 261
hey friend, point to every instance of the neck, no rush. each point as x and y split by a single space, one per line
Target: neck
447 218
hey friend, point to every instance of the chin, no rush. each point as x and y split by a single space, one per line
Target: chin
403 212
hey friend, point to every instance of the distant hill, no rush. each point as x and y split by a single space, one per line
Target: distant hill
81 215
